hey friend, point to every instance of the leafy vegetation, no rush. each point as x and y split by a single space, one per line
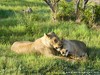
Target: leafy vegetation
89 15
17 26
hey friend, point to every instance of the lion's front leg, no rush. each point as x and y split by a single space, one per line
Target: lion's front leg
62 58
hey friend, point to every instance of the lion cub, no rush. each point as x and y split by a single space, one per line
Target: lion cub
44 45
75 49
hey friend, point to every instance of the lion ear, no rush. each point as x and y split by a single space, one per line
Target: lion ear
44 34
47 35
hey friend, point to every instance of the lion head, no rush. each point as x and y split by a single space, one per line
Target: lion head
52 40
63 50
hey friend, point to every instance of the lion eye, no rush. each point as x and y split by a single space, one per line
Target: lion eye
55 40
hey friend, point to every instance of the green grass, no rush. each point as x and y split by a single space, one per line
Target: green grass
15 26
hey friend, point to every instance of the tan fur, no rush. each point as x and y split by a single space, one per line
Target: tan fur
44 45
76 49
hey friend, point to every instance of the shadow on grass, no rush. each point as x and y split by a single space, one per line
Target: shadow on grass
94 53
6 13
7 18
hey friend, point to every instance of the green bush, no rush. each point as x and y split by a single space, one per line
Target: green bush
66 11
91 15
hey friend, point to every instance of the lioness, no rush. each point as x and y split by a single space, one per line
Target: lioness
44 45
74 48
